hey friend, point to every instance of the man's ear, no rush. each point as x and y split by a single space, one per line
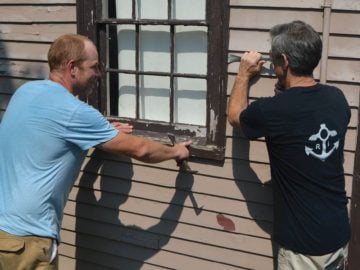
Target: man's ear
71 67
285 61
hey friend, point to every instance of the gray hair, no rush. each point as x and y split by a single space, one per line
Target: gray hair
300 43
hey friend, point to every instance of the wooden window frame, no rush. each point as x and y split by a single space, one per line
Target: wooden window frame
210 143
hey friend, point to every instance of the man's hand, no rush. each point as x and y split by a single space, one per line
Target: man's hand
182 151
250 64
123 127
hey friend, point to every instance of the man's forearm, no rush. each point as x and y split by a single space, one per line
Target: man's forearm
145 150
238 100
250 65
154 152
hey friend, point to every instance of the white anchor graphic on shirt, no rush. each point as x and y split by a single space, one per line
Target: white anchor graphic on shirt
323 135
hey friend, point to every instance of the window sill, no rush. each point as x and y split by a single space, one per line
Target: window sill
200 147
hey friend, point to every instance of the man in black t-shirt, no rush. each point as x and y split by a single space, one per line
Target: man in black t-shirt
304 127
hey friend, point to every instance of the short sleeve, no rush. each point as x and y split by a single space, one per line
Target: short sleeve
252 121
88 128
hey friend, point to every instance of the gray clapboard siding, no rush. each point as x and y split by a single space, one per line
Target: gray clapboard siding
227 202
4 100
156 239
26 30
249 18
340 22
36 2
20 50
208 219
149 238
344 70
315 4
37 14
344 46
8 85
117 255
35 32
215 186
350 5
22 69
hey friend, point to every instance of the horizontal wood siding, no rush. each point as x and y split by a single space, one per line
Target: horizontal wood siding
126 214
27 28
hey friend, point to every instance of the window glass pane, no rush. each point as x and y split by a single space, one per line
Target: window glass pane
155 48
190 101
152 9
191 49
127 95
126 47
189 9
124 9
155 98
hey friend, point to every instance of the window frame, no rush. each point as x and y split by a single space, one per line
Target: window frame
210 144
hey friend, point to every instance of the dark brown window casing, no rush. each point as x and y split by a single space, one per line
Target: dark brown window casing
208 139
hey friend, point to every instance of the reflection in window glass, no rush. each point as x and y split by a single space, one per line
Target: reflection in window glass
189 9
155 98
191 49
127 95
124 9
126 47
190 101
155 48
152 9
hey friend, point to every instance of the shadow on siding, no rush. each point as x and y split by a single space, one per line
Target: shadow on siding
103 241
247 172
6 88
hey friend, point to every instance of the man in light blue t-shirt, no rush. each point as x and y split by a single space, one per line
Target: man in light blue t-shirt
44 135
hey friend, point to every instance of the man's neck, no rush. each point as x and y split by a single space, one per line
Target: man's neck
299 81
59 78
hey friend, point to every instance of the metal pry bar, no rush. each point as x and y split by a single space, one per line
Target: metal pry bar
236 58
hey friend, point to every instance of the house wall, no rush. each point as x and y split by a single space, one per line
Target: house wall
26 30
125 214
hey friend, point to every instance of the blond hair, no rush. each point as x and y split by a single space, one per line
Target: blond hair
66 48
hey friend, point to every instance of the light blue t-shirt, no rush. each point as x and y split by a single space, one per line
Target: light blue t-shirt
44 135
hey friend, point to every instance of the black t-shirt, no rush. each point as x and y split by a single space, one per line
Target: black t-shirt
305 130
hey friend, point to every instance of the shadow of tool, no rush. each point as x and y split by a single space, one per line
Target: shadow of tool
185 168
183 181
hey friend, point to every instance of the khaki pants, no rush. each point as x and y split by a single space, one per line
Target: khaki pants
289 260
27 253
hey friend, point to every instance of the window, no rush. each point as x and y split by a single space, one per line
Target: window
165 67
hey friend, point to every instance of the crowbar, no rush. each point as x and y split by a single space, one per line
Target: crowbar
236 58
